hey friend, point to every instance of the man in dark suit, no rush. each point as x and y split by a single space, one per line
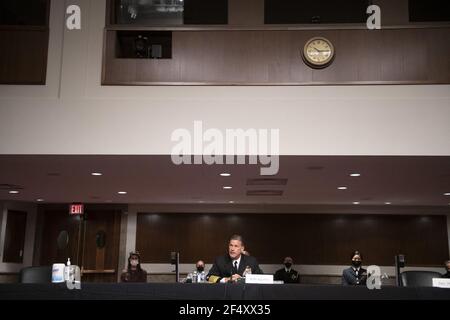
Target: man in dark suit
287 274
231 267
355 275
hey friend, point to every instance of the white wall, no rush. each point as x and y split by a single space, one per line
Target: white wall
29 235
74 114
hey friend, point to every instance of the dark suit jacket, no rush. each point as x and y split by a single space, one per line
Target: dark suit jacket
287 277
446 275
351 278
223 266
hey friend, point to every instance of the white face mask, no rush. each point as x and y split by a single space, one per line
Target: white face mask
134 262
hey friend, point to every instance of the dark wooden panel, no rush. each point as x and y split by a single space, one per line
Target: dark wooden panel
55 222
309 239
13 249
393 56
96 258
85 252
23 57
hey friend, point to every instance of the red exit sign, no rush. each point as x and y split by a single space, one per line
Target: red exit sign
76 208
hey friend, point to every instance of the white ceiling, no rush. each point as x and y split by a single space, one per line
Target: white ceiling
403 181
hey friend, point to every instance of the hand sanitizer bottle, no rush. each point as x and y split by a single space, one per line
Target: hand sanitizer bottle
67 271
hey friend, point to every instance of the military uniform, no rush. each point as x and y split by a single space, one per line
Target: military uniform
223 267
287 276
354 277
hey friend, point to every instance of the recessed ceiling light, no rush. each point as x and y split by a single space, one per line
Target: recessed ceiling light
447 194
342 188
388 202
97 174
122 192
14 192
231 201
225 174
356 202
227 187
40 200
355 174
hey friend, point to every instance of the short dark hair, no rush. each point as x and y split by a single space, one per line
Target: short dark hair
237 237
356 253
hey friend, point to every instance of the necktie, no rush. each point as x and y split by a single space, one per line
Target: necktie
235 268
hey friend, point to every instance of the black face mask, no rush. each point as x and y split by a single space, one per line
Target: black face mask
288 265
356 264
200 269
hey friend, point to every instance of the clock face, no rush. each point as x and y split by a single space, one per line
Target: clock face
318 52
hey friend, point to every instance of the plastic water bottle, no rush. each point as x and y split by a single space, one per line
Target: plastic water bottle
247 271
195 277
67 271
203 276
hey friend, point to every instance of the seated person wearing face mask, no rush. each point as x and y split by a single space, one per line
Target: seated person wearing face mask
287 275
200 267
447 268
355 275
134 272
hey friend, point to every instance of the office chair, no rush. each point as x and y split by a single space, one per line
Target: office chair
36 275
418 278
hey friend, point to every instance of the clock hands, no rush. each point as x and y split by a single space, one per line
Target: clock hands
320 50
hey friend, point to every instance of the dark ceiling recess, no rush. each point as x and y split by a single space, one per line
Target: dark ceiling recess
306 12
8 186
267 182
265 193
24 12
429 10
206 12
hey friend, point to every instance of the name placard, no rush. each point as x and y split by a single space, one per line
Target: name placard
259 278
441 283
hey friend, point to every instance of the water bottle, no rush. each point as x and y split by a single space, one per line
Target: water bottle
68 271
247 271
203 276
195 277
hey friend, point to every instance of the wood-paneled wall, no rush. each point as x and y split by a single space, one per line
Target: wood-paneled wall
101 263
316 239
271 57
23 57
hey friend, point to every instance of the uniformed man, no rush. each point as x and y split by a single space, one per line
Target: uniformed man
231 267
355 275
287 274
